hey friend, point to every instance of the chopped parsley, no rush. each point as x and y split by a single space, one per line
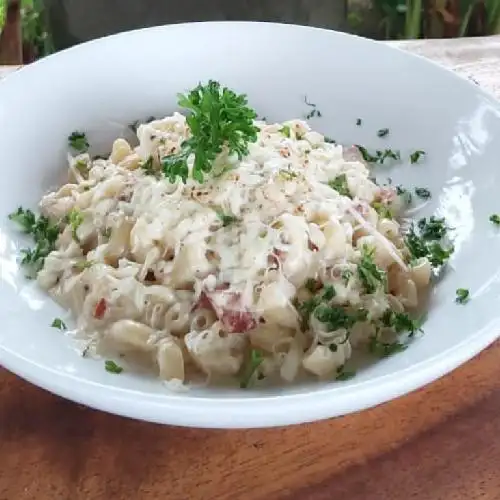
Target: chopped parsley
343 375
428 242
328 293
371 276
256 359
148 166
346 275
359 122
416 156
329 140
44 233
405 195
314 112
83 264
383 132
287 175
112 367
423 193
462 296
401 322
383 210
78 142
495 219
285 130
82 167
218 117
337 317
59 324
432 229
340 185
379 156
311 285
226 220
75 219
385 349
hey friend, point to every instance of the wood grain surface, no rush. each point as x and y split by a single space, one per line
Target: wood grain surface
439 443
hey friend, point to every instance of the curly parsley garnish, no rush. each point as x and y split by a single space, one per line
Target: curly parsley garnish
43 231
462 296
218 118
78 142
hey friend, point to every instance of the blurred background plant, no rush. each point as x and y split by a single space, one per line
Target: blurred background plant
3 13
381 19
36 39
428 18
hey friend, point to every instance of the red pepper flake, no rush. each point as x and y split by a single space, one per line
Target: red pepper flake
100 309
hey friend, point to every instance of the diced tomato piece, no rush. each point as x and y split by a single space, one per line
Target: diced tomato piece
100 309
238 321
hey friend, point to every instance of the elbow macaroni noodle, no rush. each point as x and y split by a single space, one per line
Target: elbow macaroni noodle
194 276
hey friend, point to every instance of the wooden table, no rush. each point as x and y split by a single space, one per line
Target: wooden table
439 443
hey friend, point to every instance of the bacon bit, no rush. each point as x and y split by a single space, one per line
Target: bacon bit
284 152
362 210
274 259
353 154
203 302
312 246
100 309
238 321
234 318
387 195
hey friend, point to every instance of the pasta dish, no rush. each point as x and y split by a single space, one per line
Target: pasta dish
280 259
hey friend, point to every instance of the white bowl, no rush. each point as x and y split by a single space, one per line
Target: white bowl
103 85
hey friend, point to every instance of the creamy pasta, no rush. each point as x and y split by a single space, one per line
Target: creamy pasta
281 263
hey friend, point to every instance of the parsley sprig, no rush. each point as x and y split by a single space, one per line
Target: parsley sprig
218 118
43 231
